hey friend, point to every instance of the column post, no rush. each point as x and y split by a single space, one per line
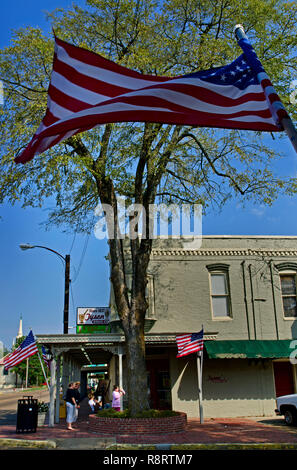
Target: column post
52 390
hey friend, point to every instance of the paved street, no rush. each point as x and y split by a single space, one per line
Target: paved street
9 403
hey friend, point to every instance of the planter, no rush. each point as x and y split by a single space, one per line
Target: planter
145 426
42 418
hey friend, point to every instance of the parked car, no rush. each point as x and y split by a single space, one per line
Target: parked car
287 406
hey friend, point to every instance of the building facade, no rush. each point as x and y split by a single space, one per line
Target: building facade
242 290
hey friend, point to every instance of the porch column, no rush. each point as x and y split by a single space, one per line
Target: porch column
52 391
120 354
58 389
65 373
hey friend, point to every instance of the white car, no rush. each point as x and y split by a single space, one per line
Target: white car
287 406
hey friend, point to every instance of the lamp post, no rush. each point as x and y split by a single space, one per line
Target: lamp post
66 260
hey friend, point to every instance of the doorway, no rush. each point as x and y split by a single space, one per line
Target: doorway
283 378
159 386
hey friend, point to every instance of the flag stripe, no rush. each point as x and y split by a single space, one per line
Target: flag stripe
189 343
27 349
91 83
95 60
87 90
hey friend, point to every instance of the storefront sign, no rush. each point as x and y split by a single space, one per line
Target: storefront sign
93 316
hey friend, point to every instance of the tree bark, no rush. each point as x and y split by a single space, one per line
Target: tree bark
136 367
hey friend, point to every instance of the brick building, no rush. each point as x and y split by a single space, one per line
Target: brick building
242 289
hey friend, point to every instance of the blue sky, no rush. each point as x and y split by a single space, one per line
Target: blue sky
32 282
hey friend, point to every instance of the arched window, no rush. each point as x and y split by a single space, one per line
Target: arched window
287 274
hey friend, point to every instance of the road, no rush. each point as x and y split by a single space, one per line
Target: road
9 402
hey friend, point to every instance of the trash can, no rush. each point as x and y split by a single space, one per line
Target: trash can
27 415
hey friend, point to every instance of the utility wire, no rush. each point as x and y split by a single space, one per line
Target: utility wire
72 242
73 304
82 257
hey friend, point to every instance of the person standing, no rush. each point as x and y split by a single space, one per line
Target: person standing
70 406
76 386
101 391
116 397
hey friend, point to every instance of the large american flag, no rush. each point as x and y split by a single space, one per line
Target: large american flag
189 343
26 349
87 90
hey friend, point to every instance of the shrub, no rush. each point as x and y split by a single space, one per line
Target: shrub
42 407
111 413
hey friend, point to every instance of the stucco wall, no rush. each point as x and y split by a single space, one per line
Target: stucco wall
231 388
182 287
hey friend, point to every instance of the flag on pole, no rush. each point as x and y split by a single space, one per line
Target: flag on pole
87 90
26 349
44 357
189 343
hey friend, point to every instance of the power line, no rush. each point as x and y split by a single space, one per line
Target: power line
82 257
72 300
72 242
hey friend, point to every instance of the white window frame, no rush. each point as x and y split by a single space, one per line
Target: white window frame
224 273
287 273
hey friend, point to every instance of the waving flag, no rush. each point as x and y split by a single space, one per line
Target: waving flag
44 357
87 90
189 343
26 349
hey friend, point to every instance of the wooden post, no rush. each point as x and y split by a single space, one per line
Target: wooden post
120 353
52 392
66 295
58 390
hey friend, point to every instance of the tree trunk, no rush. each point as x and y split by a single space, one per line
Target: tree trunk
136 369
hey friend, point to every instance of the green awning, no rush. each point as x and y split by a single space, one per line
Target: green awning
249 349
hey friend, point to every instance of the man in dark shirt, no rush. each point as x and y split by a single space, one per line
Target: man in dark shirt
71 406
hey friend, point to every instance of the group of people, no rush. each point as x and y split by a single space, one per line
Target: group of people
97 400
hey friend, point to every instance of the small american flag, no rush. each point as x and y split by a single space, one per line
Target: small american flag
26 349
189 343
87 90
44 357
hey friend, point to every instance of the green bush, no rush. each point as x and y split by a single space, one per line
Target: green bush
111 413
42 407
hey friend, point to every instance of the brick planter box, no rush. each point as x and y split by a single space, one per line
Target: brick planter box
169 424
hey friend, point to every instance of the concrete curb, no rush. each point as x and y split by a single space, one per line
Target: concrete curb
49 444
224 446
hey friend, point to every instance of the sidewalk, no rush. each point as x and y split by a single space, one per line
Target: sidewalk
245 431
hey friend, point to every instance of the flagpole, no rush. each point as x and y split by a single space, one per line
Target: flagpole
200 388
43 370
199 376
277 107
27 372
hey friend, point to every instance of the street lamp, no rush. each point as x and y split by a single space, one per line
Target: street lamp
66 260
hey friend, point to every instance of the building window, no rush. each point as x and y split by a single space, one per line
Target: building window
288 292
220 290
220 298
